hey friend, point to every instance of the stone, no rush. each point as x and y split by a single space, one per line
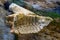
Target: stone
4 30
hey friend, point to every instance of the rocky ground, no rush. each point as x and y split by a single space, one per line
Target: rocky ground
50 32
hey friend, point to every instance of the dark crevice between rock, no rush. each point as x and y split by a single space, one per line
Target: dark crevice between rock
58 3
15 36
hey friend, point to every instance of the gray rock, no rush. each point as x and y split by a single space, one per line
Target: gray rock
4 30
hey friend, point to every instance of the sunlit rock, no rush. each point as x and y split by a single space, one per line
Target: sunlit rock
1 2
42 4
25 21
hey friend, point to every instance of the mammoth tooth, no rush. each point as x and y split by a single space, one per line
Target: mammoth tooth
25 21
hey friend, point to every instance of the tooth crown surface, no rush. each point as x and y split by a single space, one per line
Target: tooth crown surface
25 21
